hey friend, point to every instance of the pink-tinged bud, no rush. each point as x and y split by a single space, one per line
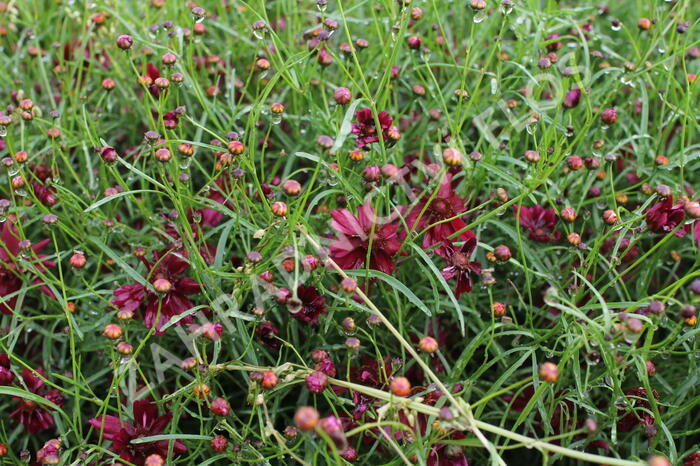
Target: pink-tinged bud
400 386
125 42
279 208
219 443
342 95
389 170
236 147
549 372
220 407
269 380
112 331
371 173
348 284
554 44
310 263
78 260
658 460
306 418
168 59
352 343
644 24
609 116
532 156
50 453
692 208
316 382
651 368
163 155
610 217
502 252
201 390
574 162
319 355
428 344
348 325
332 426
125 348
154 460
452 156
414 42
568 214
349 454
499 309
292 187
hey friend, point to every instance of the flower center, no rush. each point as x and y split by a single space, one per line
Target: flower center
460 260
441 207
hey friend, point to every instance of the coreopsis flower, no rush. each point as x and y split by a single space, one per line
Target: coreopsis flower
665 216
12 272
267 333
153 73
448 455
5 373
540 222
441 214
459 266
638 410
29 413
365 128
309 305
146 423
355 238
172 289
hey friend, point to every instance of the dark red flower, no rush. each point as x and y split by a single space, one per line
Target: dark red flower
11 270
154 74
637 411
365 129
540 222
440 214
308 305
146 423
5 373
355 236
165 273
448 455
458 264
693 459
29 413
664 217
267 332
